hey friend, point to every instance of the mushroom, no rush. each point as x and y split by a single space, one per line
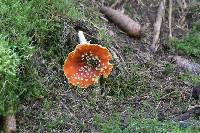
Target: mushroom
84 66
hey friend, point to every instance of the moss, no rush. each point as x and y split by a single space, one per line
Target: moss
8 64
133 85
114 124
27 25
189 78
190 44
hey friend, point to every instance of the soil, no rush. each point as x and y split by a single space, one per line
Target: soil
69 109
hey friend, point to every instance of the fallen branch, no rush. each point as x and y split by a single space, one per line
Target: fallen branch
187 65
157 26
170 18
125 23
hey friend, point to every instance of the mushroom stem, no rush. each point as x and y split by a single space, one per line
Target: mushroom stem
81 37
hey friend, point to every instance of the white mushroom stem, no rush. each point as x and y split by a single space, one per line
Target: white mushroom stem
81 37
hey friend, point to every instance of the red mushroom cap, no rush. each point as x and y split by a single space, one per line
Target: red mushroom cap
86 64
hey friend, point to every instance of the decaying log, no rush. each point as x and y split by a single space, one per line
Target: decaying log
187 65
124 22
10 124
157 26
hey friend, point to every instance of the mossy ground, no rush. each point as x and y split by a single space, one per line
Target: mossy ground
44 32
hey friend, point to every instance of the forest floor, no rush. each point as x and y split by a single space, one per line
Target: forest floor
146 92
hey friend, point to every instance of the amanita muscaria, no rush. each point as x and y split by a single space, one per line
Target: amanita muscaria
87 63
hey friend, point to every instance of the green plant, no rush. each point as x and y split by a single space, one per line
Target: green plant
112 125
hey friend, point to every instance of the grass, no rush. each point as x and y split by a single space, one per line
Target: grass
114 124
120 86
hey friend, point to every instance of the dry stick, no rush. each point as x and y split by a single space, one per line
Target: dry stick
184 4
102 2
116 56
140 2
170 18
118 3
157 26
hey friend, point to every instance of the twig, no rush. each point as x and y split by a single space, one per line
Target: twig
116 56
3 88
170 18
102 2
184 4
106 20
118 3
157 26
140 2
115 4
